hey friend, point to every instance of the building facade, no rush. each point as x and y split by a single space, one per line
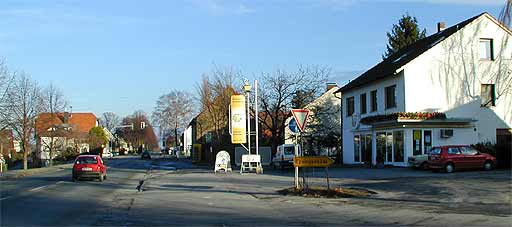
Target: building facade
453 87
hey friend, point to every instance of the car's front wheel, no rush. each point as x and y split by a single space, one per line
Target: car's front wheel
449 167
488 165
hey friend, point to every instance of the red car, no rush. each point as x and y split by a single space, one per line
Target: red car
450 158
89 166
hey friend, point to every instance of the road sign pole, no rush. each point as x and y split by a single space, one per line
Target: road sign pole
296 167
257 114
248 123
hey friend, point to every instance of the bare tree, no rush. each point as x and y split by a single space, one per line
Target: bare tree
278 90
6 79
110 120
506 13
214 94
173 111
54 103
23 105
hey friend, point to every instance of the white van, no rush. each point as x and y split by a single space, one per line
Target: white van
284 155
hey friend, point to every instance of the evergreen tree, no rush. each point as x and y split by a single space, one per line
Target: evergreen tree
405 33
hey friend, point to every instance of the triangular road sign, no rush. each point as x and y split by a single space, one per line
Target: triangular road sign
301 117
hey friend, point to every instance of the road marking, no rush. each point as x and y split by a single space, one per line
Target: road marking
38 188
5 198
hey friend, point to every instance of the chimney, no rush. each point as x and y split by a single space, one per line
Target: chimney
440 26
330 85
67 115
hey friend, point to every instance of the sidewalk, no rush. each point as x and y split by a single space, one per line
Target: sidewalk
13 174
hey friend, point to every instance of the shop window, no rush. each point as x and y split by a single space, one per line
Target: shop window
350 106
427 138
398 145
381 147
416 142
391 97
366 148
389 146
363 103
357 148
488 95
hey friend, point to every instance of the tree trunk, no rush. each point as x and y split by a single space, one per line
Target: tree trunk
25 153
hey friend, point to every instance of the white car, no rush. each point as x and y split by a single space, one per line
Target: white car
419 161
284 155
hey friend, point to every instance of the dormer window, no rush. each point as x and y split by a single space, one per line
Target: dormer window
485 49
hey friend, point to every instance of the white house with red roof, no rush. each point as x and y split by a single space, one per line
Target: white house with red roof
61 131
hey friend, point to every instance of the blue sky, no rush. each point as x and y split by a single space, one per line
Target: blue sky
122 55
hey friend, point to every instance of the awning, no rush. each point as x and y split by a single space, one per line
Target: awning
433 123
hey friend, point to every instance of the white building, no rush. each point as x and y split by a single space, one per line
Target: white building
187 141
324 122
463 72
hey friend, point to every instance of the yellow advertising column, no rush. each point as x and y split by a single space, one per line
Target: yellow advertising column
238 119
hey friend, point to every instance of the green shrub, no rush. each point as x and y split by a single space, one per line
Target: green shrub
69 154
486 147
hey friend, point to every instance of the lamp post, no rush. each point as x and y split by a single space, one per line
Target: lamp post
247 90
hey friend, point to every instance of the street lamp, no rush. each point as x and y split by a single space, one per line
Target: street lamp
247 89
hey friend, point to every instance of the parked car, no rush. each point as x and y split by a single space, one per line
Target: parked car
145 155
89 166
107 155
284 155
450 158
419 161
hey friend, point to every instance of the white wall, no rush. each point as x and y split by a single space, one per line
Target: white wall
448 77
348 128
331 123
187 141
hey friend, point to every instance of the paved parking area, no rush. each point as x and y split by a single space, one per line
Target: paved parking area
176 193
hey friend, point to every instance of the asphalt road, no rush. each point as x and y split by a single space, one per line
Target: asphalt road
178 194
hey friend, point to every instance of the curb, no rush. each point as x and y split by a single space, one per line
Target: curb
34 171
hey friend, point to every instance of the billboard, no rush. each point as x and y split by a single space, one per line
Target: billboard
238 119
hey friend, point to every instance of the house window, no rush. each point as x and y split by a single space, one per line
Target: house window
391 97
363 103
373 95
486 49
488 95
350 106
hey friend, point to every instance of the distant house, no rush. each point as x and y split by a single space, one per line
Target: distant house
324 122
108 150
188 140
61 131
7 143
452 87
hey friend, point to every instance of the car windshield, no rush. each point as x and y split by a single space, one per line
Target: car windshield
289 150
86 160
435 150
